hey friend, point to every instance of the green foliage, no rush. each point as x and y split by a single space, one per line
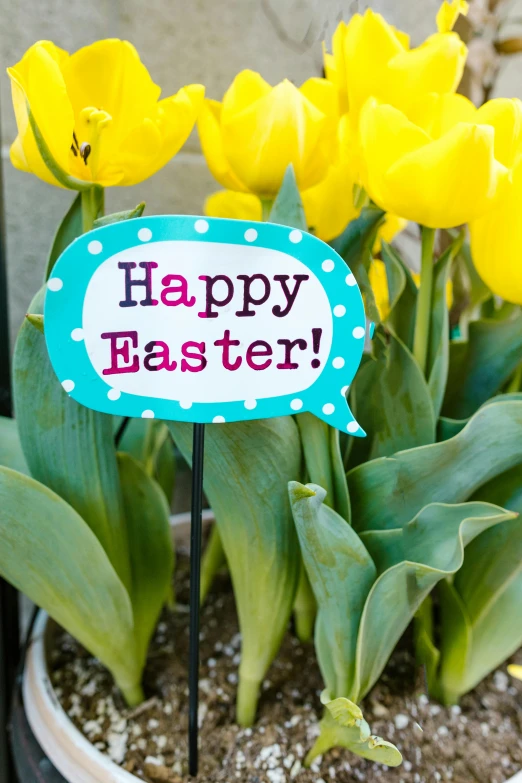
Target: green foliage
287 208
50 553
247 467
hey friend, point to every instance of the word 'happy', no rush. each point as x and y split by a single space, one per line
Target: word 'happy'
216 293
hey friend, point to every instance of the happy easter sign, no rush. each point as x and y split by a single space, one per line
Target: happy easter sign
205 320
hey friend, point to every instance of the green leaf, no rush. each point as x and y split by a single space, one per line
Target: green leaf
340 485
341 573
37 321
480 367
68 448
410 561
387 492
247 467
402 295
51 555
373 748
424 642
316 448
392 399
150 547
69 229
288 206
455 645
117 217
11 454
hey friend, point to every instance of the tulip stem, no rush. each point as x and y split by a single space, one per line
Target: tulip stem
92 206
266 206
422 318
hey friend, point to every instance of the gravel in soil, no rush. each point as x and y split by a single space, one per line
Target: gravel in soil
481 740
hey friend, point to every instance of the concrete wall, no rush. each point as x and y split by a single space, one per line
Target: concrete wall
180 41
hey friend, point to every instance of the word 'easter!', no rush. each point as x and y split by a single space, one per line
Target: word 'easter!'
217 293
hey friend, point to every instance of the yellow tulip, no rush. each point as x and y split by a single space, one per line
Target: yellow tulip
515 671
95 117
250 138
379 284
447 165
496 242
370 58
449 12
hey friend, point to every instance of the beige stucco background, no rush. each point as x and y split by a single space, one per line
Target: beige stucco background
180 41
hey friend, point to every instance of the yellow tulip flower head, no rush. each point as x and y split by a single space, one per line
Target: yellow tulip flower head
447 164
95 117
370 58
449 12
496 240
250 138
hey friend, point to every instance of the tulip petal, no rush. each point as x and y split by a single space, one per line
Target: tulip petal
329 206
435 66
496 242
109 75
505 115
322 94
233 205
156 140
38 87
209 128
247 88
449 182
281 128
386 136
438 113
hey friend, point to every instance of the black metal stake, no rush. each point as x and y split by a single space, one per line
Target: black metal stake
198 447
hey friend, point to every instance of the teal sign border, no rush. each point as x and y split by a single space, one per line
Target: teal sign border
67 285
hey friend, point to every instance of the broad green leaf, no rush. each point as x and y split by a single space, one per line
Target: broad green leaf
68 448
393 401
448 428
410 562
288 206
70 228
341 573
117 217
212 561
340 485
150 443
455 645
480 368
402 294
150 547
315 439
50 554
247 468
424 640
388 492
11 454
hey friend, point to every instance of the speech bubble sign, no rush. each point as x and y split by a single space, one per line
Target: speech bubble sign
205 320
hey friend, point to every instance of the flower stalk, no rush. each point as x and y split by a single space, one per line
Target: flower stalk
422 320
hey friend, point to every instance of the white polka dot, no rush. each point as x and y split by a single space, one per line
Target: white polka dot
95 247
145 234
359 332
250 404
218 420
68 386
338 362
296 404
353 426
295 236
201 226
114 394
54 284
250 235
328 408
77 335
328 265
185 404
339 311
148 414
344 390
350 279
